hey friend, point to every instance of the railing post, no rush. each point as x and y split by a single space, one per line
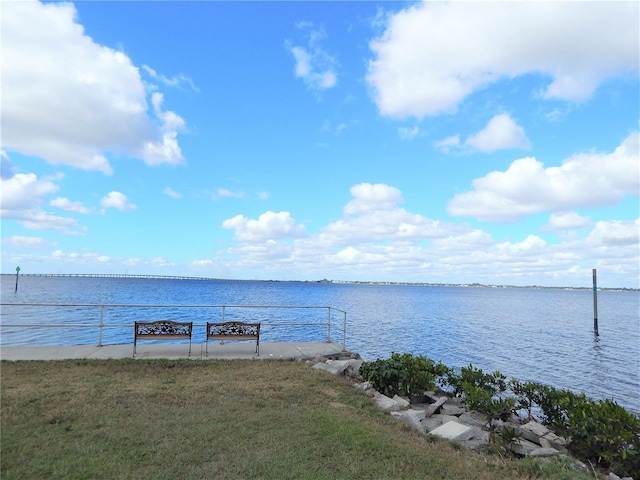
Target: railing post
223 313
344 333
329 324
101 324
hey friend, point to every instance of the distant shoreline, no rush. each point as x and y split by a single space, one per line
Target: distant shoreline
346 282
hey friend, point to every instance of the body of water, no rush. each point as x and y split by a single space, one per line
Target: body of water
543 335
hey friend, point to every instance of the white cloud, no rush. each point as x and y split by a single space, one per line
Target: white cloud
313 64
19 241
447 143
500 133
171 192
48 60
117 200
408 133
374 215
160 262
268 226
373 197
224 193
22 197
25 191
69 206
617 234
433 55
566 221
527 187
178 81
7 170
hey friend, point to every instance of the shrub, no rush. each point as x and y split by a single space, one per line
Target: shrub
386 376
403 374
604 433
601 432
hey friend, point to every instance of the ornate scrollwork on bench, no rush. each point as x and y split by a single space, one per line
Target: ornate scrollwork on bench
162 329
233 331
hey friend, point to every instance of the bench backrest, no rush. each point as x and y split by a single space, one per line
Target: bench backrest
163 329
233 330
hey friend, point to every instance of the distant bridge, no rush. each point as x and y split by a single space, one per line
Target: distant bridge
115 275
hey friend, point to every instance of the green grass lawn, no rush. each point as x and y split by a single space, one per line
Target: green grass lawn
244 419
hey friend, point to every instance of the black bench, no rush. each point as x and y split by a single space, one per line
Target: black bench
233 331
162 329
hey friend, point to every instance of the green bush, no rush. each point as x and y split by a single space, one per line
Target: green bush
386 376
605 434
403 374
600 432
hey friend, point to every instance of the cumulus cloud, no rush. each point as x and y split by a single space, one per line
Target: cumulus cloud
85 258
446 144
433 55
617 233
500 133
374 214
313 64
118 201
21 241
566 221
161 262
527 187
69 206
372 198
23 197
25 191
268 226
70 100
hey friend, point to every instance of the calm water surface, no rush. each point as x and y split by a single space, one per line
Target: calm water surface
543 335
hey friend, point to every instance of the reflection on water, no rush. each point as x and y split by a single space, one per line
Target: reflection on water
543 335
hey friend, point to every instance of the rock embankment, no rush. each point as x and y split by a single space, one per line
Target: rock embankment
446 416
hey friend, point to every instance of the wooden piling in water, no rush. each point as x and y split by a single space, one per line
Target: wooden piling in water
595 302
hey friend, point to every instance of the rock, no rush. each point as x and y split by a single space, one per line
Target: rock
432 396
435 407
412 418
363 387
613 476
544 452
537 433
478 438
452 430
523 447
457 401
452 409
338 367
385 403
402 402
473 419
433 422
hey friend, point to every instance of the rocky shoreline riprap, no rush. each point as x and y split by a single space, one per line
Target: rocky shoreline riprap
446 416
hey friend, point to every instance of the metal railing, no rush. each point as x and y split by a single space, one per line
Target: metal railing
332 322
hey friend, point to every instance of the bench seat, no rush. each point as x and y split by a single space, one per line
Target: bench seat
162 330
233 331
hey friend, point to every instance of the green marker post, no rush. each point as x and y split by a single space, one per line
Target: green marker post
17 273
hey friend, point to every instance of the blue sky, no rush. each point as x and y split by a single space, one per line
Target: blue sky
384 141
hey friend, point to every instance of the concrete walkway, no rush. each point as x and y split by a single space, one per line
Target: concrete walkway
247 350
